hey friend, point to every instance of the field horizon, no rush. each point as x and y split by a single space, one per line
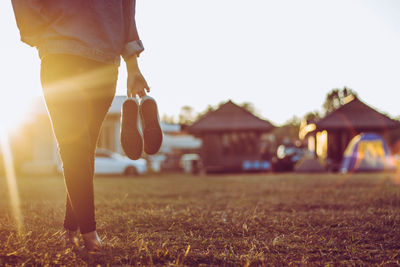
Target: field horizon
231 220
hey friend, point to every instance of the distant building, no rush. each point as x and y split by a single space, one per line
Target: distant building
231 137
331 134
40 156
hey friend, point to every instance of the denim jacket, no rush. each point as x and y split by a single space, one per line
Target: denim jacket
101 30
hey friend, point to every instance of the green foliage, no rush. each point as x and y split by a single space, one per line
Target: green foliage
312 116
336 98
167 119
187 115
250 107
287 133
209 108
246 105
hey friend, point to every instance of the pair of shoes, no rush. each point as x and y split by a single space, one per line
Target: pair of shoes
131 136
92 242
152 133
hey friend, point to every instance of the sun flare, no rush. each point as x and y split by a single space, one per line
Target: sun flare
14 112
11 181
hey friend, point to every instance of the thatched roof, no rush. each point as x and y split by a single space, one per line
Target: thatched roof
230 117
356 115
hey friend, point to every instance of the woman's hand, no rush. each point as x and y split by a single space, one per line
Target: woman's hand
136 84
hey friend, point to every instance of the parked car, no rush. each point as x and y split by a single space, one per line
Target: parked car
107 162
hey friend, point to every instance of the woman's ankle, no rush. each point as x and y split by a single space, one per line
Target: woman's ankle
92 241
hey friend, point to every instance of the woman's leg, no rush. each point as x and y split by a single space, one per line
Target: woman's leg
78 93
70 221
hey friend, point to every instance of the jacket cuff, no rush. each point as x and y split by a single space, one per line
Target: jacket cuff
132 48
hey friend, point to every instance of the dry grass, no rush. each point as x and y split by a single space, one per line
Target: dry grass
215 220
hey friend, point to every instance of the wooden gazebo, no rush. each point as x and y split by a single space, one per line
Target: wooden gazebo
341 125
230 135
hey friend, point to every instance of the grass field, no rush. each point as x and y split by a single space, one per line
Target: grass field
214 220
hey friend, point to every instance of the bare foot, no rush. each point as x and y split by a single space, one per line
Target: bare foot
92 241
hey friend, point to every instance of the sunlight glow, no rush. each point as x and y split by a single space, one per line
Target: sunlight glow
76 88
13 113
322 144
11 181
306 128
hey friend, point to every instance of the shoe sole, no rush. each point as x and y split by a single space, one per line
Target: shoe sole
152 133
131 138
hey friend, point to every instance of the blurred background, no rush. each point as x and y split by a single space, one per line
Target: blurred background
258 86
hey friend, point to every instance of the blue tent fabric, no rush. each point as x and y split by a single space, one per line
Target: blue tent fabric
367 152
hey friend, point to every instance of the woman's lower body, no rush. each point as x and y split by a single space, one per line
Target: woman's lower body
78 93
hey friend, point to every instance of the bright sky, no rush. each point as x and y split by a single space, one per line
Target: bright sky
283 56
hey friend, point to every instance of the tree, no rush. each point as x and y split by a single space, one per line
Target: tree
187 115
312 117
249 107
337 98
167 119
289 132
209 109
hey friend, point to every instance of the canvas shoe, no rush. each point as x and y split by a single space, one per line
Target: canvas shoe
92 242
131 137
152 134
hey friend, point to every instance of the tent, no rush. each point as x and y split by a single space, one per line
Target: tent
367 152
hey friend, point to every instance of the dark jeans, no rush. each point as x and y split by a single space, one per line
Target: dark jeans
78 93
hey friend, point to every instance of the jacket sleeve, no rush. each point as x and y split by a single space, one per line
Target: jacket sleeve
28 15
133 44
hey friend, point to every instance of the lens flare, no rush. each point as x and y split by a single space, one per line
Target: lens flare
14 112
11 181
